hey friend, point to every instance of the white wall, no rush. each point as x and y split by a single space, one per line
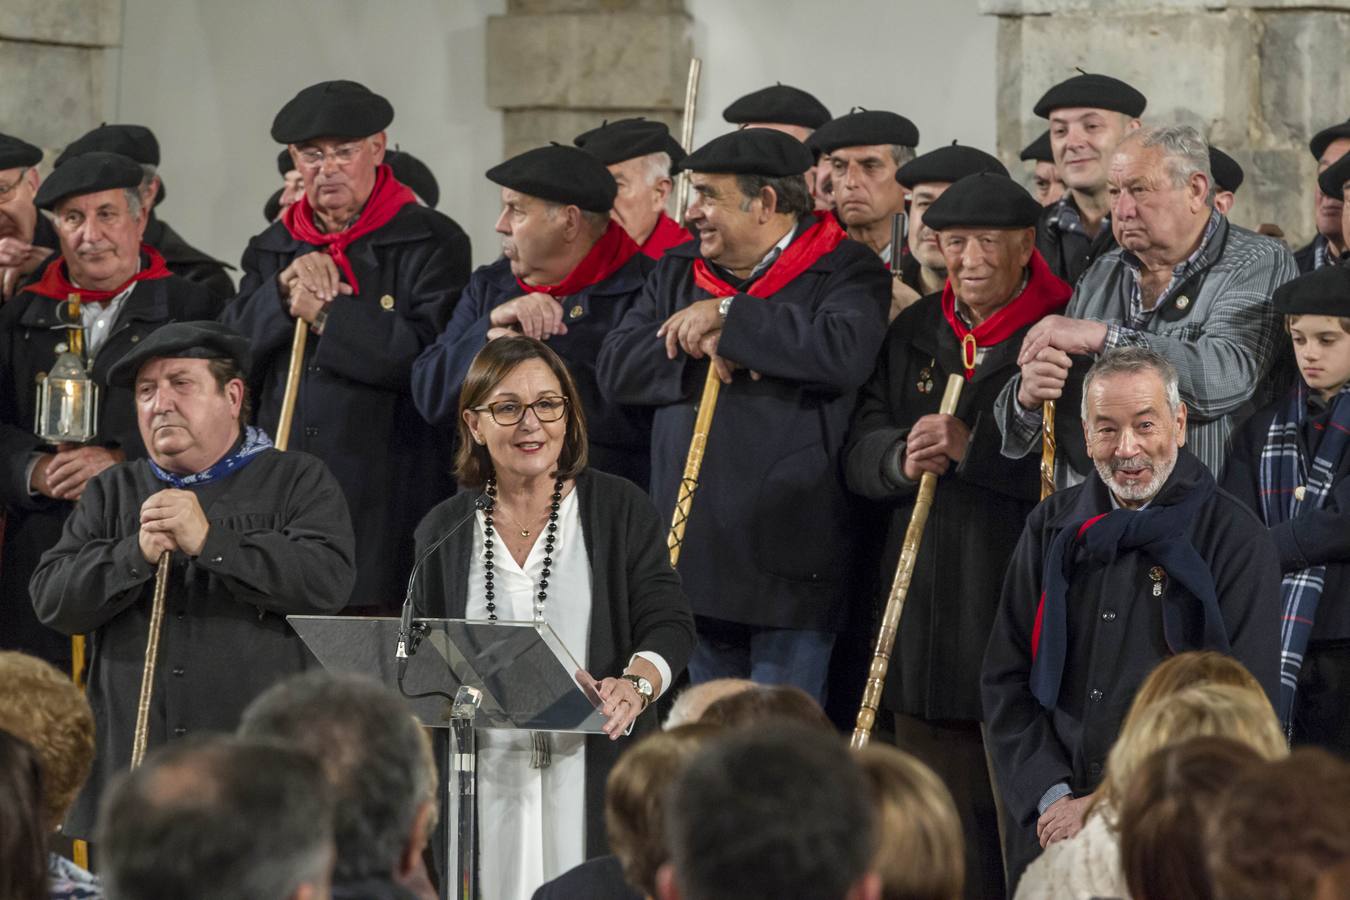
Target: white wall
208 77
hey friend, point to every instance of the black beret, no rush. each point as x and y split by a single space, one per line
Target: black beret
948 164
135 142
182 340
332 109
284 162
1226 171
17 154
1093 91
272 208
751 151
413 172
1318 145
780 104
983 200
614 142
1333 178
1321 292
1038 150
862 127
559 174
88 173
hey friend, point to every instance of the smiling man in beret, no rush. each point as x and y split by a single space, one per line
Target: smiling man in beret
1046 183
124 292
1328 146
26 238
1089 114
374 274
253 535
567 274
639 155
138 143
790 315
999 286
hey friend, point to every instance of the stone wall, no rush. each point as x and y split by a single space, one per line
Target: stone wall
558 67
1258 78
53 64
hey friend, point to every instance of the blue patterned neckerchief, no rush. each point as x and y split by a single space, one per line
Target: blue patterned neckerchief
255 441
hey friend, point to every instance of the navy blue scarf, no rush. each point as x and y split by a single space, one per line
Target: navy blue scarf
1159 532
255 441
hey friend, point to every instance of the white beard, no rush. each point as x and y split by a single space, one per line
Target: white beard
1140 491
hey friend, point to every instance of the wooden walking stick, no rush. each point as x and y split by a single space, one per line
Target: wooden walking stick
283 436
1047 449
142 734
687 136
693 462
904 571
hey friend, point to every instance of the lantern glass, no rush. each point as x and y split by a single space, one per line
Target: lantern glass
67 403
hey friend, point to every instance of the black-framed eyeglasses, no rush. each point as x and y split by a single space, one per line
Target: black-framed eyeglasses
510 412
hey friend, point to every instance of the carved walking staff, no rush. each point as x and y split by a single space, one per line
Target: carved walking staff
904 571
142 734
1047 449
283 435
693 462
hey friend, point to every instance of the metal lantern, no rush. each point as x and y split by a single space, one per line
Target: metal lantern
67 402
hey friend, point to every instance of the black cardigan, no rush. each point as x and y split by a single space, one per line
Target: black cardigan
636 600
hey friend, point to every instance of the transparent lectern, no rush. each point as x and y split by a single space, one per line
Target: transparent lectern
464 675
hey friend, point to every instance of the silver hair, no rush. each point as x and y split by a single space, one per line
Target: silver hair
133 201
902 154
1129 360
1184 150
655 166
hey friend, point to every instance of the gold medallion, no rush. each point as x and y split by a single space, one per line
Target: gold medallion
387 302
576 312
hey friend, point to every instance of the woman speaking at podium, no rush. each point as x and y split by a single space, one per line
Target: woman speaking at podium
578 549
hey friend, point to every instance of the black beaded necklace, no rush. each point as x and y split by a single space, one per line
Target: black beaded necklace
549 536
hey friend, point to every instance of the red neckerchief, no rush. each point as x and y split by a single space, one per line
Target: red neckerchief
665 235
388 197
55 284
605 257
1043 295
800 255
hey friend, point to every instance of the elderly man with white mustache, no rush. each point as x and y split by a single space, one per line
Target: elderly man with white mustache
1111 577
124 292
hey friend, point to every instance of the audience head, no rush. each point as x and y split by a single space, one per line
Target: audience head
335 133
1278 827
556 203
1133 421
1239 713
99 216
1161 818
919 854
747 189
218 818
18 187
375 756
1182 670
507 376
766 704
770 812
44 707
1160 185
1328 146
690 704
636 795
1089 115
23 829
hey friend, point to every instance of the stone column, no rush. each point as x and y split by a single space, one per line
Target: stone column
1257 77
54 58
558 67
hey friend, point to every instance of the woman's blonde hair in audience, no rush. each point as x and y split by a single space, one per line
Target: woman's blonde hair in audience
920 854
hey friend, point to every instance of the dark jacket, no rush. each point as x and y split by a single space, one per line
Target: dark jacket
769 540
280 543
29 335
976 518
1069 252
355 409
620 436
1115 636
1317 537
595 879
636 601
187 261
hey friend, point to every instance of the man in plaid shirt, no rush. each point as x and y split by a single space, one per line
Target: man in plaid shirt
1185 282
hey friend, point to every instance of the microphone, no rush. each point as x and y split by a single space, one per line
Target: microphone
406 647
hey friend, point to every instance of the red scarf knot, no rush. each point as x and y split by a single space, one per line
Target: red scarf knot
1044 294
607 256
813 243
388 197
55 284
665 235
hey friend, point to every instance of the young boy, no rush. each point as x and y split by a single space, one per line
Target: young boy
1290 462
